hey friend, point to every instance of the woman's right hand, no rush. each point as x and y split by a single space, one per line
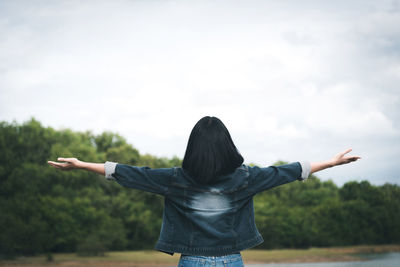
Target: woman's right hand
66 164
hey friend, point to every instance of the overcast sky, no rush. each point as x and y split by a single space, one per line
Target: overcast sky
291 80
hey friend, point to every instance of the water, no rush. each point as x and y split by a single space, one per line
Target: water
375 260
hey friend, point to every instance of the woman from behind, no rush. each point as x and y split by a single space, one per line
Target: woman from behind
208 213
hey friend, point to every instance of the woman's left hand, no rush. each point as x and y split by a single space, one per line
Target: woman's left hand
340 158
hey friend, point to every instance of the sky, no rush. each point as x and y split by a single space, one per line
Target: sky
291 80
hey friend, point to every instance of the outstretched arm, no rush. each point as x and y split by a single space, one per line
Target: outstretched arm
74 163
142 178
339 159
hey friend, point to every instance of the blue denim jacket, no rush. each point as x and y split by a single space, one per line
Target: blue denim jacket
207 220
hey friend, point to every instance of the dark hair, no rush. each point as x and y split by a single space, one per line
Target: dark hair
210 151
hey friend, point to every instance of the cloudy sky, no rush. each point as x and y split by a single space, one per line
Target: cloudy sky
292 80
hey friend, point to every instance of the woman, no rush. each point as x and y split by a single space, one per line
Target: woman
208 214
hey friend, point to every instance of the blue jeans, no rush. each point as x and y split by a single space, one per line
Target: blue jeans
233 260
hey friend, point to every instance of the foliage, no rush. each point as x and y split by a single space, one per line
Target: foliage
44 210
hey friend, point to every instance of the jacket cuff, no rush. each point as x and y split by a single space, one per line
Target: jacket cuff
305 169
109 169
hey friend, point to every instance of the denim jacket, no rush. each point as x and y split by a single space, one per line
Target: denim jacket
207 220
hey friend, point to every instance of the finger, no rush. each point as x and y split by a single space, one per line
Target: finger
347 151
61 165
64 159
353 158
52 163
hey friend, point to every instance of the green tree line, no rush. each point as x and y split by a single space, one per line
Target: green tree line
44 210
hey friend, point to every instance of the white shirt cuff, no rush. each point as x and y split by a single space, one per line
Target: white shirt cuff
305 169
109 169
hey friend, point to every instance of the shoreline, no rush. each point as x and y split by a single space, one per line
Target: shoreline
330 254
345 258
154 258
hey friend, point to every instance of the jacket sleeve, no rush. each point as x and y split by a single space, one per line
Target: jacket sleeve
142 178
265 178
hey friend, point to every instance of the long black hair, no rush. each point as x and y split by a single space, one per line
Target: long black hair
210 151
